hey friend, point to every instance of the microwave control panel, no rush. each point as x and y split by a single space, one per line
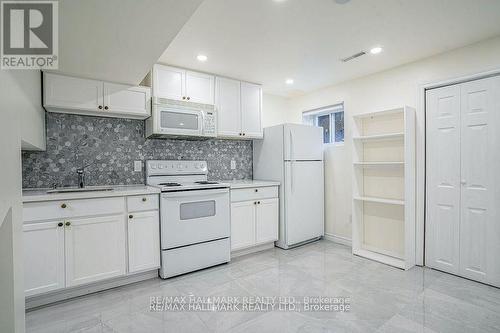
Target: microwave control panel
210 124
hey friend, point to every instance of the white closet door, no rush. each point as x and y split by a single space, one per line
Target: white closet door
443 178
480 161
463 191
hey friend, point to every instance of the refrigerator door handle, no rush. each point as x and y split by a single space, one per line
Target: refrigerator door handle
291 146
291 176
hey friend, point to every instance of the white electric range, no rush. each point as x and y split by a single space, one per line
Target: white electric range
194 216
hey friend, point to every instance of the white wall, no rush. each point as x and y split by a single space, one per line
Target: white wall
11 262
275 110
398 86
25 87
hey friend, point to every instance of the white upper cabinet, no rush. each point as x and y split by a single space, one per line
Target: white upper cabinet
199 87
71 93
122 99
239 106
251 105
66 94
168 82
179 84
228 103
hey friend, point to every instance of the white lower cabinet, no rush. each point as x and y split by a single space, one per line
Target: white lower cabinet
242 224
43 257
143 241
95 249
266 220
67 247
254 217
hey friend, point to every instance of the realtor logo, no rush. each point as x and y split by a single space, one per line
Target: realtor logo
29 35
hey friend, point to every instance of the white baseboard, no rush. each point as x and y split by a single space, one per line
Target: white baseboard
252 249
338 239
68 293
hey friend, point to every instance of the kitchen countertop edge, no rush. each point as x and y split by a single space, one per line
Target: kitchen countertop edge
36 195
239 184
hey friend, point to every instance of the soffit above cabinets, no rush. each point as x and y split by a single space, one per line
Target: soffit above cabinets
117 40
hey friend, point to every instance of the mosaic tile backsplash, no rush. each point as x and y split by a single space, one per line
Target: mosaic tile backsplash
111 145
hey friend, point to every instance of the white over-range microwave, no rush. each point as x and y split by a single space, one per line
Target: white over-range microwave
173 119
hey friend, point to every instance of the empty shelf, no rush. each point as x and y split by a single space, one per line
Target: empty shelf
379 164
379 113
380 137
389 260
381 200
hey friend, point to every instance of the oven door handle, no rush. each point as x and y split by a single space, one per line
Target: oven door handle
194 193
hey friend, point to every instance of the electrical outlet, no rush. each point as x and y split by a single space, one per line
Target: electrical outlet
137 166
233 164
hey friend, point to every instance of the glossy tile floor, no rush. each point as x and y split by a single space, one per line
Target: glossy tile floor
382 298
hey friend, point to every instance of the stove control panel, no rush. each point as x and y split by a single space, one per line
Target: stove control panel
176 167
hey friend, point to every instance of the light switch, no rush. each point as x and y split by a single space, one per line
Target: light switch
137 166
233 164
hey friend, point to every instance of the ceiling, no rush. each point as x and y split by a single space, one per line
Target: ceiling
118 40
268 41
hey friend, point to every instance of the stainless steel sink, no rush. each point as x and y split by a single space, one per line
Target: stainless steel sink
75 189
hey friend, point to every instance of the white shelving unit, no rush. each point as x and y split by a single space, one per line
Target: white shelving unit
383 217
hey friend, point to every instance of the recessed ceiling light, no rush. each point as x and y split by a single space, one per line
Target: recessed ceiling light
202 57
376 50
342 2
289 81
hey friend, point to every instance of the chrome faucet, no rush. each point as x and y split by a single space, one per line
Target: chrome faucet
81 176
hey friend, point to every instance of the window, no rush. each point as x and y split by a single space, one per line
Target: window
330 118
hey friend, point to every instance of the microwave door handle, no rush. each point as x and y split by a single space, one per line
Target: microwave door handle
201 124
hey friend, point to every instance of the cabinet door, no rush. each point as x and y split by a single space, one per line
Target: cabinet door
443 179
143 241
65 92
43 257
242 224
251 105
480 162
168 82
200 87
95 249
266 221
127 100
228 103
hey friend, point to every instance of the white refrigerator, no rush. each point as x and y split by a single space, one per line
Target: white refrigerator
293 155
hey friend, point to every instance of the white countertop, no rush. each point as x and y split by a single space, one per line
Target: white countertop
235 184
32 195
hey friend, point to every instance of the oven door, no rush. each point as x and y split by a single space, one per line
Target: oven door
179 121
190 217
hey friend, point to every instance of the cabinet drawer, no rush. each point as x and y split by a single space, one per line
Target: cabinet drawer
254 193
60 209
138 203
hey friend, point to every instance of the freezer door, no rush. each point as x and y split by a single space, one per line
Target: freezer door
303 142
304 201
